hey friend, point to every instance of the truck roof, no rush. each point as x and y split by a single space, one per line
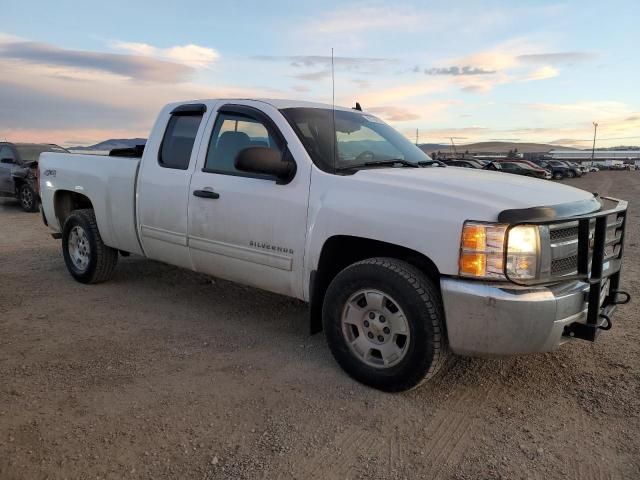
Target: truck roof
278 103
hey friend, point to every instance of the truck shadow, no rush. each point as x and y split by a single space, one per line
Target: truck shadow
209 304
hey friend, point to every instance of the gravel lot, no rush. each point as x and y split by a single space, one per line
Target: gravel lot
163 373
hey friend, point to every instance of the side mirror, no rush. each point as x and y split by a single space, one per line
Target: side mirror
7 160
266 161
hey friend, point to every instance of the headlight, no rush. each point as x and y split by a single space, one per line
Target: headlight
482 251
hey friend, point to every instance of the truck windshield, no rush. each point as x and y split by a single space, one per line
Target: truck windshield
361 140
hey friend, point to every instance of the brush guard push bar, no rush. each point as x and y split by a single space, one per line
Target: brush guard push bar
600 270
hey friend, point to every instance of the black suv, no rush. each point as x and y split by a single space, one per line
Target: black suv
559 169
18 162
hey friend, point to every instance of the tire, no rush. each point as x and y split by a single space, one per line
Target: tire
28 198
570 174
348 320
87 258
558 176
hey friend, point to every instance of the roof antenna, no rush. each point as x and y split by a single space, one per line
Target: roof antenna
358 107
333 112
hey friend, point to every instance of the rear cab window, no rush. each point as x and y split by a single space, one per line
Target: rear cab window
179 137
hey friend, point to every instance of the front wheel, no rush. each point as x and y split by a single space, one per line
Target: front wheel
28 198
87 258
558 176
570 174
384 323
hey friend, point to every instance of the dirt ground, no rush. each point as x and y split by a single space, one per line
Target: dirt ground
162 373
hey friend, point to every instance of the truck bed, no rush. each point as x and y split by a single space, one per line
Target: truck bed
110 184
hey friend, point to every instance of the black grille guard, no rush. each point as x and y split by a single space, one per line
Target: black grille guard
591 271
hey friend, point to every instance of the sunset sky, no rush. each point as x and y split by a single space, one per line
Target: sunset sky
78 72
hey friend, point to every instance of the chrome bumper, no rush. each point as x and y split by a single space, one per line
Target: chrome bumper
485 318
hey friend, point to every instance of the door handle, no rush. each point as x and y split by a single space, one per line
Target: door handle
206 194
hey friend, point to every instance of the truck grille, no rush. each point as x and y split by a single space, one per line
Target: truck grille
563 255
564 266
560 233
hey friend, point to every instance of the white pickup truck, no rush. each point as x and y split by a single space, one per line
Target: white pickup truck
401 259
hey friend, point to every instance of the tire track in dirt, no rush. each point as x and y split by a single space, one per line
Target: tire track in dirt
579 469
443 439
446 447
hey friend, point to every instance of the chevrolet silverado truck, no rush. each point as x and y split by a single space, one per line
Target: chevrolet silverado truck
402 259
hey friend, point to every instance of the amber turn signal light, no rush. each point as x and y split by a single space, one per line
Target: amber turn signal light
473 264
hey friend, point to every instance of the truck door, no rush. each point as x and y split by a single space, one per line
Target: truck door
7 164
245 227
163 184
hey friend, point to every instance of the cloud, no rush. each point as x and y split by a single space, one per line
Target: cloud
324 61
397 92
394 114
541 73
590 108
300 88
46 100
24 107
313 76
193 55
318 67
131 66
361 83
363 17
557 57
456 71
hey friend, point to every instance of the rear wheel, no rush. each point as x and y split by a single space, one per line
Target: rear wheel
87 258
558 176
570 174
384 323
28 198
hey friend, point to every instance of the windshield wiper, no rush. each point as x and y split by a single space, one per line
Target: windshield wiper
379 163
391 163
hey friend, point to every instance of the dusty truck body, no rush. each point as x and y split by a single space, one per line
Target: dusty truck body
401 259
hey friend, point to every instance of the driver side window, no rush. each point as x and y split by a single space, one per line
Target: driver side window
231 134
366 144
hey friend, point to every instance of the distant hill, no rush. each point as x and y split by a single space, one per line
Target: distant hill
111 144
494 147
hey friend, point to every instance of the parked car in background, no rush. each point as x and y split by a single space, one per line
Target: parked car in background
569 171
594 169
543 172
18 162
583 168
464 163
520 168
573 169
558 171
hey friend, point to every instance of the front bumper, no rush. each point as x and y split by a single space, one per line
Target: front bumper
485 318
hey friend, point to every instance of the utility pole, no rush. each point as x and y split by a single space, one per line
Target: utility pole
593 149
417 137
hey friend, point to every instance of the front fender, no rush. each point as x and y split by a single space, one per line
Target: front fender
433 232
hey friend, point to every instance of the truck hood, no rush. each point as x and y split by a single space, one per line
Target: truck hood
485 191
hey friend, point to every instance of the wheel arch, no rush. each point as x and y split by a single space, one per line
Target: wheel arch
66 201
340 251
